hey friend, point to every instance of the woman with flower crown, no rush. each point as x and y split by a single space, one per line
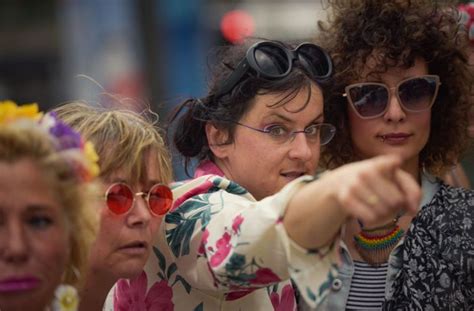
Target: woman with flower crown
46 229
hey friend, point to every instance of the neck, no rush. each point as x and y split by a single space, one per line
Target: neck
95 290
223 167
207 167
412 167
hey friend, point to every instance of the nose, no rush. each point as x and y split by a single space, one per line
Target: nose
301 149
395 112
139 215
14 248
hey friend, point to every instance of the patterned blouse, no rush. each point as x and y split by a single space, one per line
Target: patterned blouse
220 249
438 256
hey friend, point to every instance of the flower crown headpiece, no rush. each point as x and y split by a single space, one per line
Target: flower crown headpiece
78 153
467 18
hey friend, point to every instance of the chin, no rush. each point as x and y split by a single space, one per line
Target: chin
25 301
131 270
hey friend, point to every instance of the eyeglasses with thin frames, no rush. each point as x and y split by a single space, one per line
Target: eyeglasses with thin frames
322 132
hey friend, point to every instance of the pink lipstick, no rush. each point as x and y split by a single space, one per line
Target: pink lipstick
18 284
395 138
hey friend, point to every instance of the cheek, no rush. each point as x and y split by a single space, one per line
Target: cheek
155 224
422 122
425 121
248 148
109 229
358 128
54 252
316 157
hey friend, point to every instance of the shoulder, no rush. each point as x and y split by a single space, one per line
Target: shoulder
208 183
203 187
449 205
447 221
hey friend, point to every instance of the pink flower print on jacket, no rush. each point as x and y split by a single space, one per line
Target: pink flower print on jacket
223 248
261 276
236 224
287 300
223 245
132 295
238 294
202 247
265 276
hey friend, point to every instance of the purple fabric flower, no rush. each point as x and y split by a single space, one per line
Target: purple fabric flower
67 138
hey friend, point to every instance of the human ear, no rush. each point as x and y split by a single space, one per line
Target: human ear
218 140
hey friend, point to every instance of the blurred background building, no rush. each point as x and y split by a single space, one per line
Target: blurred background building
153 50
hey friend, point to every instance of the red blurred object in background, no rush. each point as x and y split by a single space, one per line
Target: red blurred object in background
467 18
236 25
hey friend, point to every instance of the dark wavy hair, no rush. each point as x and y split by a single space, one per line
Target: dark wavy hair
401 31
188 121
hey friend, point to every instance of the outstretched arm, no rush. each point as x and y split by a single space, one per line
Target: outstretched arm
372 191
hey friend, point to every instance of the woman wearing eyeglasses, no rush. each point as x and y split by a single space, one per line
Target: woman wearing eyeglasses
253 216
136 170
402 87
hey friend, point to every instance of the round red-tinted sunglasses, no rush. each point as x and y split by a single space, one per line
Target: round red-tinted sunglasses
120 198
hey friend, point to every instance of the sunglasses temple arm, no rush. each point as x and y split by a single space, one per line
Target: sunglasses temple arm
233 79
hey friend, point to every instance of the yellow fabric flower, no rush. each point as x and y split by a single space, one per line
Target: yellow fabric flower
10 111
68 142
92 158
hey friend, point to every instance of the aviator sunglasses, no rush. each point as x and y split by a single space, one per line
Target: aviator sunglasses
271 60
371 100
120 198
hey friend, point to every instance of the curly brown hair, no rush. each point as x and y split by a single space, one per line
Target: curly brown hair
401 31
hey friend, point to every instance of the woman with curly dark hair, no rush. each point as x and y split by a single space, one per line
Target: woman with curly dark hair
402 86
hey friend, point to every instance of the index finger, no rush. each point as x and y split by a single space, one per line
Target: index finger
386 164
410 187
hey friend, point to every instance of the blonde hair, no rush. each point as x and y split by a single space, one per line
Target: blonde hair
25 140
122 138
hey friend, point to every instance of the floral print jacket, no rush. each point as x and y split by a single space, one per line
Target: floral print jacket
220 249
437 270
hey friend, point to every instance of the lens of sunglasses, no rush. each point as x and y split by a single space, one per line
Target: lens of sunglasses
369 99
314 60
271 60
160 198
417 94
119 198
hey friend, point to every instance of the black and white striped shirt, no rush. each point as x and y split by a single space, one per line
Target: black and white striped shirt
367 290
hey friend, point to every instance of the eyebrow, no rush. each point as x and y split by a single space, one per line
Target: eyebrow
148 185
32 208
153 182
116 180
38 207
285 118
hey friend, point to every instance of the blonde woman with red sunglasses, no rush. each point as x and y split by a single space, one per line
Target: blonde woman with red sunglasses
136 170
402 87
